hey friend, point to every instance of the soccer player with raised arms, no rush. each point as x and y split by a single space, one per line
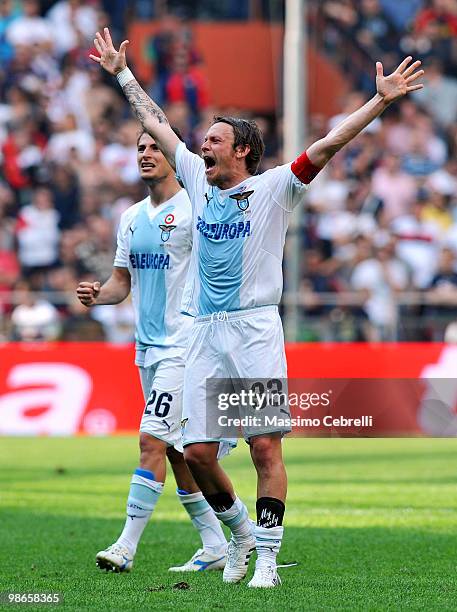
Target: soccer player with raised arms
152 258
235 284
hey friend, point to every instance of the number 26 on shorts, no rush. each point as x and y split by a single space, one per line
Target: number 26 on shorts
158 404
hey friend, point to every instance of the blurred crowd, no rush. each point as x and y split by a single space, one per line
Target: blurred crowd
358 32
382 218
379 232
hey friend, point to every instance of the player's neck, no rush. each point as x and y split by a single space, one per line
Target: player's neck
161 191
234 179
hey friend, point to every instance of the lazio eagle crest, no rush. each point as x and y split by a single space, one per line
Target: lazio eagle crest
242 199
167 227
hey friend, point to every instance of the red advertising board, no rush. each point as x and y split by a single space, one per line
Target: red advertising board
68 388
93 388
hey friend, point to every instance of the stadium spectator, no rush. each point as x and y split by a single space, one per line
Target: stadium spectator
398 129
187 83
120 156
403 13
341 10
66 194
395 188
379 278
374 31
319 278
33 319
120 12
30 28
444 180
422 159
69 143
160 52
440 96
413 133
438 23
437 213
173 53
37 232
441 294
417 244
338 228
443 288
328 194
22 156
73 23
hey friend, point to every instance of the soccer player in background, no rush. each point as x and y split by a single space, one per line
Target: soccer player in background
154 242
235 283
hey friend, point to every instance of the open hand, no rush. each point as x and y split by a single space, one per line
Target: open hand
399 83
111 60
88 292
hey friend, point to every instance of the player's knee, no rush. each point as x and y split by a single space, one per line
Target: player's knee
263 451
151 447
198 457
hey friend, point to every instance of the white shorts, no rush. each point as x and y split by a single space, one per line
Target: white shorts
244 344
162 385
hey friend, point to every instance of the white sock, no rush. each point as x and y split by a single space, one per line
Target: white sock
267 543
237 520
205 521
143 495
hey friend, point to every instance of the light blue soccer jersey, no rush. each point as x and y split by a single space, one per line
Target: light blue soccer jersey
154 243
238 237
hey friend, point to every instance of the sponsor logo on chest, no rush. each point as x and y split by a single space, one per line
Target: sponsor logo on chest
224 231
150 261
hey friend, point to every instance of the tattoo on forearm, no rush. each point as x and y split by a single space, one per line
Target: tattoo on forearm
142 104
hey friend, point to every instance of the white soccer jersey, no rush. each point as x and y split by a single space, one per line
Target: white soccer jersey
238 237
154 243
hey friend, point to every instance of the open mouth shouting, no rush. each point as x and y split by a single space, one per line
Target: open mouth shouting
210 163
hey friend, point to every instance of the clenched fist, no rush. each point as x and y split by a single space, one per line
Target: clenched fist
88 293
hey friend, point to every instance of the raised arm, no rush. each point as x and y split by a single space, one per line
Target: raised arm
388 89
114 291
151 116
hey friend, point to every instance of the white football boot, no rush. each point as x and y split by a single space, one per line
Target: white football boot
238 554
115 558
265 576
202 561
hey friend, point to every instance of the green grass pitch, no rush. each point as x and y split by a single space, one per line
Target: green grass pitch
372 524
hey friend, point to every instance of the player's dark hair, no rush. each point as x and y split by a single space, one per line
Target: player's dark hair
175 130
246 132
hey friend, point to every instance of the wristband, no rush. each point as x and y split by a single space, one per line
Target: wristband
124 76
